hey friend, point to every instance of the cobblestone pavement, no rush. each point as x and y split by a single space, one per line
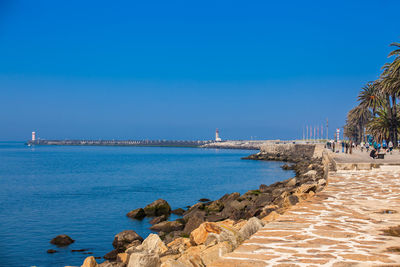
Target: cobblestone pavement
340 226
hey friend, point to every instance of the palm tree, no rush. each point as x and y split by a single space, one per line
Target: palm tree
390 86
357 118
370 97
380 125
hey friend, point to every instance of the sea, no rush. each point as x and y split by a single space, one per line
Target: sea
86 191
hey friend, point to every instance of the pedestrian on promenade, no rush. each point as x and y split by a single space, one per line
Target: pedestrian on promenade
373 153
347 147
367 146
333 146
390 147
384 144
343 146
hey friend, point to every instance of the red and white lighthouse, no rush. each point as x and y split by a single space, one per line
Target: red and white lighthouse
33 136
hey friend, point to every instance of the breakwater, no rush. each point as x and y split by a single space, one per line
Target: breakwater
158 143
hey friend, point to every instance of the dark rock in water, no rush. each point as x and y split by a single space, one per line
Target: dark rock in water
158 219
193 222
158 208
97 258
112 255
62 240
178 211
51 251
123 239
168 226
88 253
79 250
204 200
136 214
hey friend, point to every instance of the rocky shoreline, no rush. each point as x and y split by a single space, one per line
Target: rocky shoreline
209 229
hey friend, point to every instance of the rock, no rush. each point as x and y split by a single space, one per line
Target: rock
306 188
123 257
51 251
112 255
62 240
252 226
136 214
199 235
191 257
89 262
168 226
123 239
144 260
204 200
264 188
291 182
152 244
215 206
272 216
135 243
178 211
111 264
158 219
158 208
79 250
193 222
213 253
180 244
311 173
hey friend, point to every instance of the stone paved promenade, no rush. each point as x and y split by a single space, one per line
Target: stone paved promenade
340 226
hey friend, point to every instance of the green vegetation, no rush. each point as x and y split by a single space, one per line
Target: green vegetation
378 113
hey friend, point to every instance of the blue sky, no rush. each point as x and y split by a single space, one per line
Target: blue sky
180 69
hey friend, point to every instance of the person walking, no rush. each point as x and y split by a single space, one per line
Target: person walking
342 146
367 146
347 147
390 147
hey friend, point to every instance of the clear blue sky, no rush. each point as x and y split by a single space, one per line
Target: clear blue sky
180 69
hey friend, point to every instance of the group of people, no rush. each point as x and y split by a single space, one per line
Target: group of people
375 147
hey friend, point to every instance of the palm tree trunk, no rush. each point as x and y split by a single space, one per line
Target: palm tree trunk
395 121
390 115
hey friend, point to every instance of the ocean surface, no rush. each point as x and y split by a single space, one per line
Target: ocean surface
85 192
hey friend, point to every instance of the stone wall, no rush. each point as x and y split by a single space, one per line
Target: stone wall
289 150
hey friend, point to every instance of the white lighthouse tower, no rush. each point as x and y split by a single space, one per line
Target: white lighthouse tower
33 136
217 138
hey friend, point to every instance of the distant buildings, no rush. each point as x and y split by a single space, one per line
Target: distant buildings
33 136
217 138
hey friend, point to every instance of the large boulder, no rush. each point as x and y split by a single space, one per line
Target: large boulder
144 259
62 240
251 227
178 211
111 264
215 206
152 244
89 262
168 226
193 222
112 255
136 214
180 244
199 235
123 239
158 219
158 208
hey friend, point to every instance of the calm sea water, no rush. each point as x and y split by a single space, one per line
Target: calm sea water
85 192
